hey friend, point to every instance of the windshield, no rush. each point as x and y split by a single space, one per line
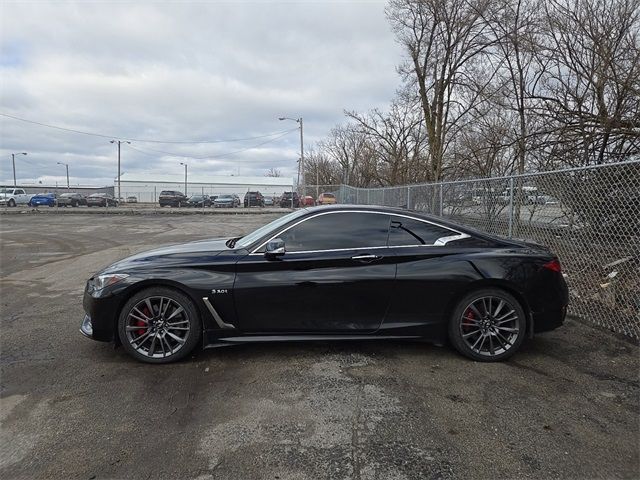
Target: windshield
269 227
222 197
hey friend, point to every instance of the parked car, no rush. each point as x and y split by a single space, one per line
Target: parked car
541 200
327 199
132 199
101 200
172 198
253 199
268 201
71 200
199 201
308 201
389 273
43 199
227 201
12 197
285 200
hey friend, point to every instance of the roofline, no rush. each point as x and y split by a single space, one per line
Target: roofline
404 211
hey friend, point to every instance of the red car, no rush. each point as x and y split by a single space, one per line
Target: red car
308 201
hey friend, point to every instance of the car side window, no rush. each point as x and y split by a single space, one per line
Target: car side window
338 231
19 192
406 231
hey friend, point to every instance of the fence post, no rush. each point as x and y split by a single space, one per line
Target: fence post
408 198
441 199
511 207
369 196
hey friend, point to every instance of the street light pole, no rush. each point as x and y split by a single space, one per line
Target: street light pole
185 177
301 163
13 161
66 165
119 175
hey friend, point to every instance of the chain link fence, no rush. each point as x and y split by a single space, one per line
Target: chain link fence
590 217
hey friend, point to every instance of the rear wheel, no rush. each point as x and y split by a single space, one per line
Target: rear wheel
12 202
488 325
159 325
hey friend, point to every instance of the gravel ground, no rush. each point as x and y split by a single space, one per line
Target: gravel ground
565 407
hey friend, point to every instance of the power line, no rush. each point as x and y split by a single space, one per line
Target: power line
211 157
138 139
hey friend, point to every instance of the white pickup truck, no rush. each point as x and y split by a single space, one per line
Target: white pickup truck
14 196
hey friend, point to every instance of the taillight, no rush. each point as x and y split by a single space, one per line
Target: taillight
553 265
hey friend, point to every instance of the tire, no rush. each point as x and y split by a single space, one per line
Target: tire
11 203
494 337
138 342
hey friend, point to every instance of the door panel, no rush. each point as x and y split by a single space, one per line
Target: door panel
428 279
314 291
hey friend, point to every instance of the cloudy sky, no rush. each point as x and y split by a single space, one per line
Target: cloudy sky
183 72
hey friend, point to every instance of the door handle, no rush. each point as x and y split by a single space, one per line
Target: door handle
366 258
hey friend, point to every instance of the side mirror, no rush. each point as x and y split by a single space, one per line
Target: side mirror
275 248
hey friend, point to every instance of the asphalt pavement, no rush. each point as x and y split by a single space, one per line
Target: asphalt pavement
566 406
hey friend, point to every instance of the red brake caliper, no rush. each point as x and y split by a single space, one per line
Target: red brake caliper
467 322
140 323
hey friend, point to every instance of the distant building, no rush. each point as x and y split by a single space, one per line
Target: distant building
147 187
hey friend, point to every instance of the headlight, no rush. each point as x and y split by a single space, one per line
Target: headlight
102 281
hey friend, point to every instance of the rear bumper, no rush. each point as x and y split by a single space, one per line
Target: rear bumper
549 320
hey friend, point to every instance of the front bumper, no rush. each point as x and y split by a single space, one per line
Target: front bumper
100 318
87 327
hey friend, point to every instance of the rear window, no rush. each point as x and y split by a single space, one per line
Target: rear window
328 195
166 192
406 231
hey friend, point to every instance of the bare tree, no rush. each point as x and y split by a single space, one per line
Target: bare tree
443 39
273 172
592 85
398 139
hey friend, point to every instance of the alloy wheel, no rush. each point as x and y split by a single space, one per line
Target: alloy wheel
490 326
157 327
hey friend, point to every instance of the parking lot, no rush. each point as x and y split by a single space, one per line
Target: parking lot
566 406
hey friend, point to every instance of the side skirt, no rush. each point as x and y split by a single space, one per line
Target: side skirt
227 341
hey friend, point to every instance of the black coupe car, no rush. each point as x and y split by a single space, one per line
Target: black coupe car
331 273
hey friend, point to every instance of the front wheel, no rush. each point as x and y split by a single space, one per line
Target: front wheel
488 325
11 203
159 325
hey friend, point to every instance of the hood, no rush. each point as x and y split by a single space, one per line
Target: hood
173 255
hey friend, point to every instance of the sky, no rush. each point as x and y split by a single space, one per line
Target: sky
178 72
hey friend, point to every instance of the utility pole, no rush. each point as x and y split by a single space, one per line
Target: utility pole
119 175
301 163
66 165
185 177
13 161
